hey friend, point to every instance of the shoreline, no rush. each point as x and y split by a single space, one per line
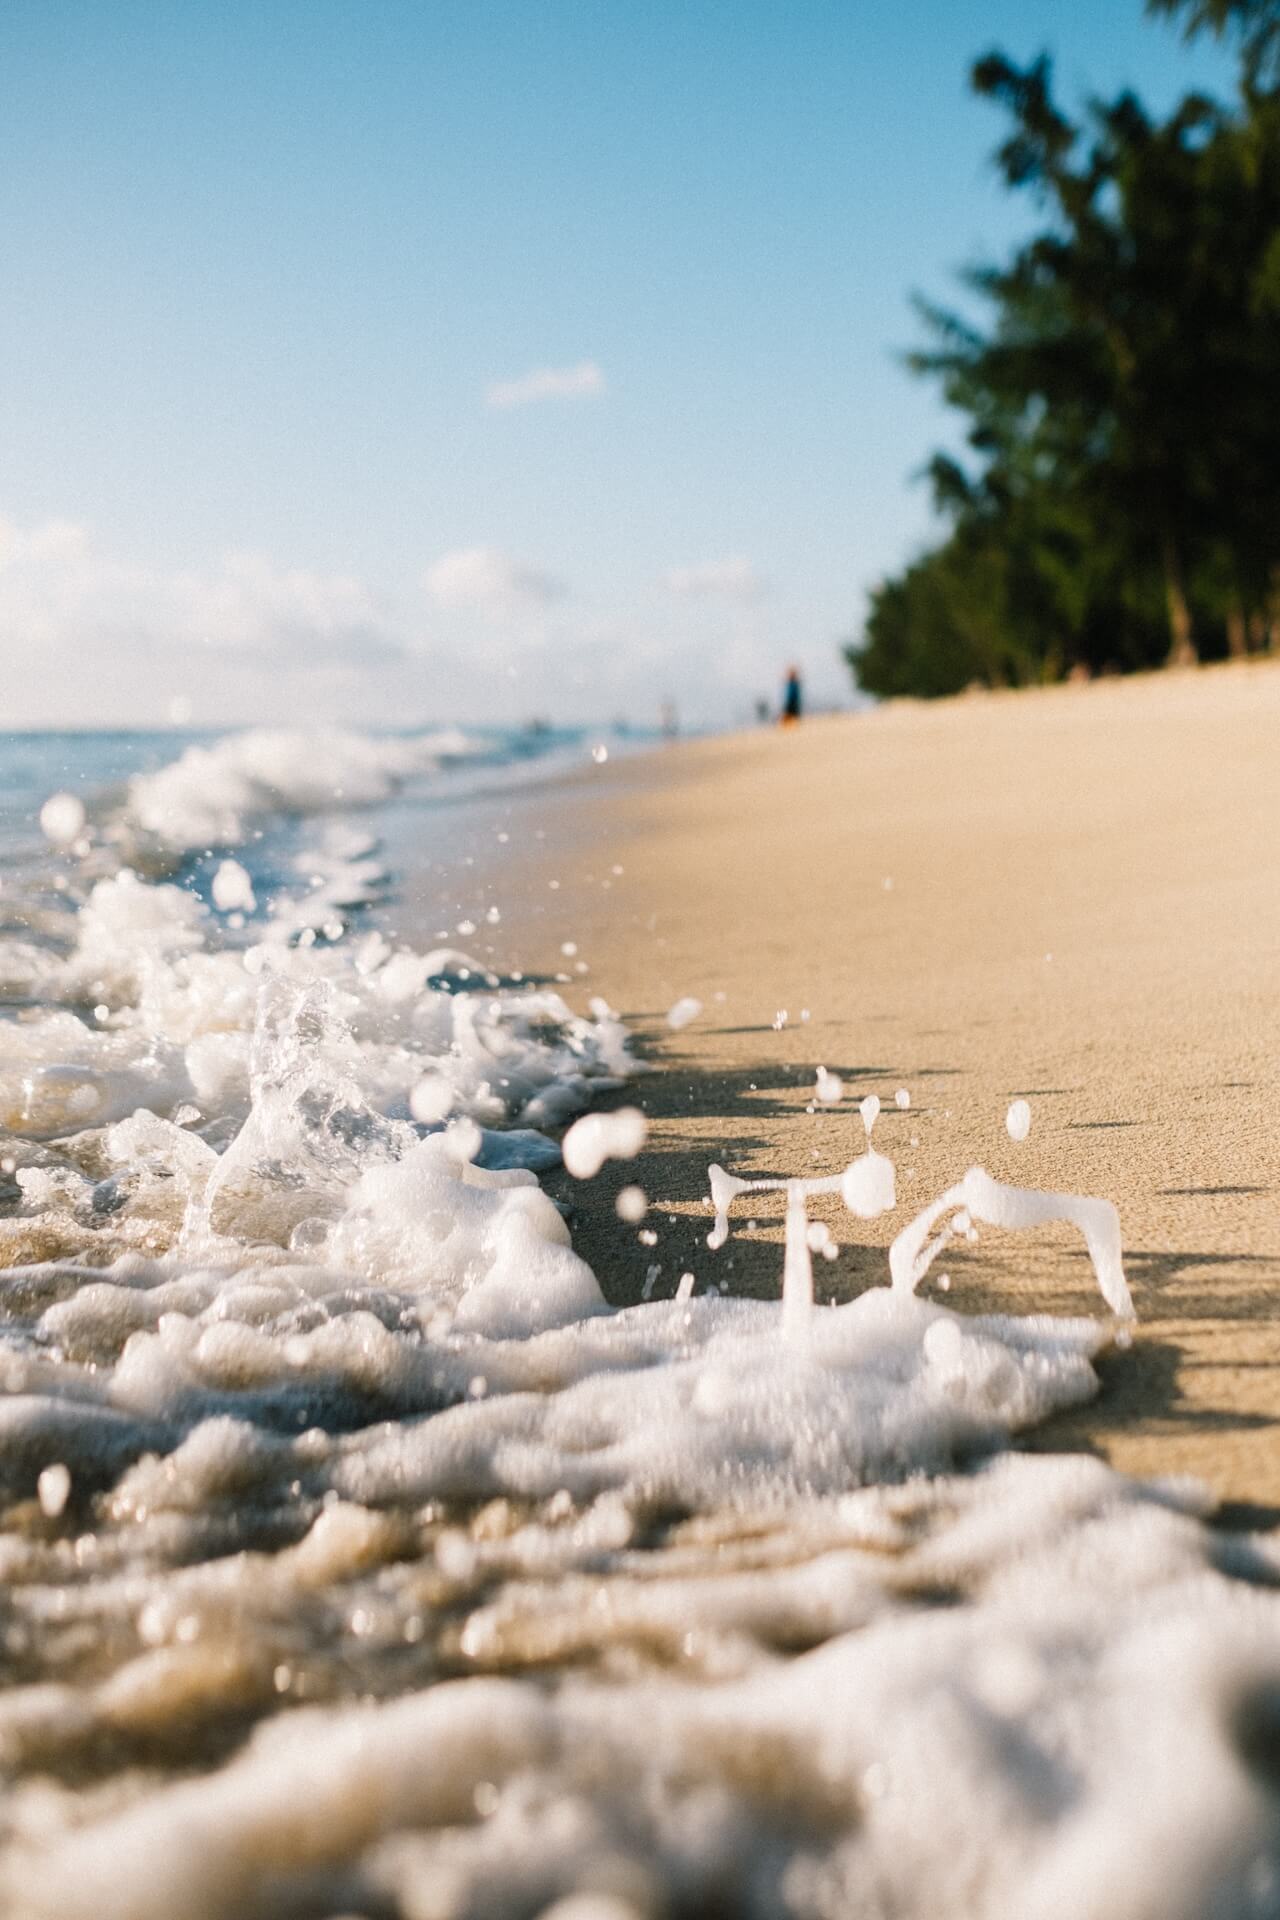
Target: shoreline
1068 894
320 1452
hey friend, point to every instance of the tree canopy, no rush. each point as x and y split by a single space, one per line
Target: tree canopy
1254 23
1119 500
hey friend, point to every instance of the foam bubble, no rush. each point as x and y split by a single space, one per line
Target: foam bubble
598 1137
431 1100
867 1185
53 1490
631 1205
62 818
232 889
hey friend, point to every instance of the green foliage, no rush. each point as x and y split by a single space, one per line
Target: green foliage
1121 499
1255 23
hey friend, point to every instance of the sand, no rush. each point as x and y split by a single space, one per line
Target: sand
1069 896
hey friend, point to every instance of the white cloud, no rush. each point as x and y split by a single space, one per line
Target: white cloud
294 618
735 578
488 581
547 383
90 639
57 589
83 631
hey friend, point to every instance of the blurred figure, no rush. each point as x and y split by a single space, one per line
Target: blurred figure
792 698
762 712
669 720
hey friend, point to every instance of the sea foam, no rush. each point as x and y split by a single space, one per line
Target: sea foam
357 1557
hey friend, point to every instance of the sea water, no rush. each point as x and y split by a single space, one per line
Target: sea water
356 1559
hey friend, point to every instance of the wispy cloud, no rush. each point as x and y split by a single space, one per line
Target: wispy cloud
488 581
735 578
547 383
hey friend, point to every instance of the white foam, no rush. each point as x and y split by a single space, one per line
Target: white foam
598 1137
350 1034
683 1013
306 1406
232 889
62 818
867 1185
980 1197
431 1100
212 796
53 1490
631 1205
1083 1730
867 1188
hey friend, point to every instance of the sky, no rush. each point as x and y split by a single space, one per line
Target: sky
416 361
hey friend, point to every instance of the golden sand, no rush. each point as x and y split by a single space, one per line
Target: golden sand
1070 896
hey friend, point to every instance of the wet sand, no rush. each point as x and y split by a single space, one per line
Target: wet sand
1070 896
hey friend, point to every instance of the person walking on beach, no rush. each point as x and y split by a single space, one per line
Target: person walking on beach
792 698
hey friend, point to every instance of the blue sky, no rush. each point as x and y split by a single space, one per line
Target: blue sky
460 360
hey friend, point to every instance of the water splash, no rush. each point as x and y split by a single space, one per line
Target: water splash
866 1186
979 1197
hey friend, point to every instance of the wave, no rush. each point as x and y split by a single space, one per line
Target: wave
359 1557
214 796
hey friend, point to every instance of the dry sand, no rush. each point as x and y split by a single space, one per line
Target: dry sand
1069 895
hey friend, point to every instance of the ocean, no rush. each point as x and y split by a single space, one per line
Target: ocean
357 1559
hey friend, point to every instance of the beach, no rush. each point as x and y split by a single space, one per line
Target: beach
640 963
1070 896
389 1527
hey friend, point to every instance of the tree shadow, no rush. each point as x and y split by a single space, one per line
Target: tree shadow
732 1115
1207 1192
766 1091
1162 1272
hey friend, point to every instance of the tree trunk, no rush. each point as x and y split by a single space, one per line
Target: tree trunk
1273 610
1257 631
1182 646
1237 631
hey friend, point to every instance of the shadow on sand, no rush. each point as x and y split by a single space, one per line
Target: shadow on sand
720 1115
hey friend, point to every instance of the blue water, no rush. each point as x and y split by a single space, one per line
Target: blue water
424 820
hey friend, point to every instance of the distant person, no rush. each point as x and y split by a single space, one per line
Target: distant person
762 712
670 720
792 698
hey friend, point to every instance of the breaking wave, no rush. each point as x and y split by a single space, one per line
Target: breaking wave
358 1558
